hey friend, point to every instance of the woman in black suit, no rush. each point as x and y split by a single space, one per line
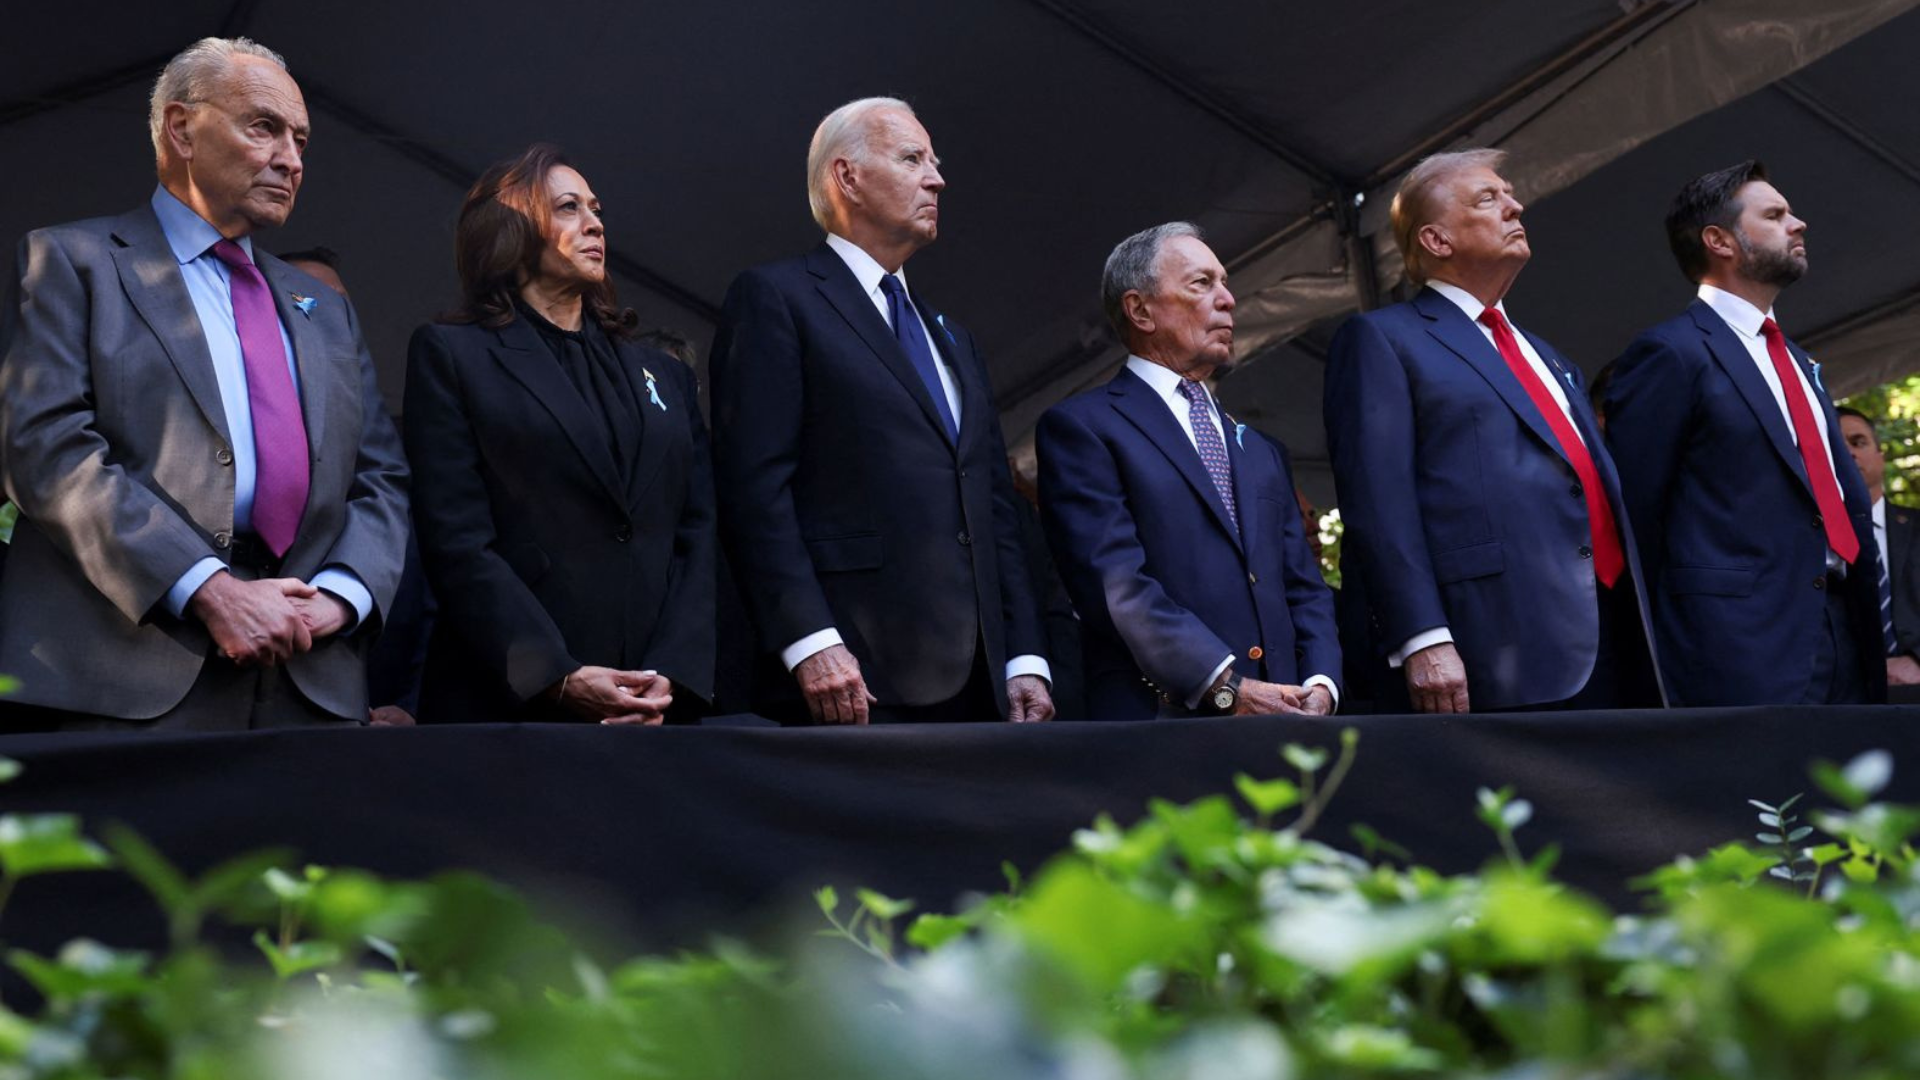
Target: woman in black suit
562 492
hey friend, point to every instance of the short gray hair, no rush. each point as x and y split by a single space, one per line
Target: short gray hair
843 134
1134 266
1417 203
189 77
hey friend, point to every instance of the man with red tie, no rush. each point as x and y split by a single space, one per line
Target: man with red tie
1751 513
1485 536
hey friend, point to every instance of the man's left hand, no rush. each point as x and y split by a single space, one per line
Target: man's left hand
1028 700
324 613
1903 671
1314 701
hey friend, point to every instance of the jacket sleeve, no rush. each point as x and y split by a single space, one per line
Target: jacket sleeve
1316 636
496 614
1650 407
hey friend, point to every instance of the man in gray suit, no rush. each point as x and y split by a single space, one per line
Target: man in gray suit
212 499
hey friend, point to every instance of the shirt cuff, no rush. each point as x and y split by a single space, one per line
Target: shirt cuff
346 585
807 646
190 583
1322 680
1193 699
1030 664
1426 639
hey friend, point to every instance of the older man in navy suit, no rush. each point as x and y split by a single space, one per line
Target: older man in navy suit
1755 524
1175 528
864 496
1485 531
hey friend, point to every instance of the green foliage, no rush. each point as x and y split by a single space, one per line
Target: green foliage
1197 942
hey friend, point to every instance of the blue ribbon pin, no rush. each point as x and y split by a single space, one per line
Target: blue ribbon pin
653 392
304 303
1240 435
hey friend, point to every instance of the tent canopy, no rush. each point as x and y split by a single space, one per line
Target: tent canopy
1064 125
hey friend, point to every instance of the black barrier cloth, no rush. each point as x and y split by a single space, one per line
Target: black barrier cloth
660 836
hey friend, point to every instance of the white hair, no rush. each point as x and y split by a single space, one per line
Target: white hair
189 78
843 134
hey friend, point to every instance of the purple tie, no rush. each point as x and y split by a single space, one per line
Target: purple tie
1213 452
279 435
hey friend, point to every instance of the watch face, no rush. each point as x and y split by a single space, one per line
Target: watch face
1223 698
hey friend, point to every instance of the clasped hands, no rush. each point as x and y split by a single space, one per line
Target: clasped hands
612 696
837 693
1257 698
266 622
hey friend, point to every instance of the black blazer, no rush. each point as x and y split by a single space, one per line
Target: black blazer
540 559
842 501
1903 572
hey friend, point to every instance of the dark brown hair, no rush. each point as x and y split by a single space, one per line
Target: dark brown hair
502 231
1713 199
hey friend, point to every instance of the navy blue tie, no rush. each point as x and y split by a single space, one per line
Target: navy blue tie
1886 607
912 336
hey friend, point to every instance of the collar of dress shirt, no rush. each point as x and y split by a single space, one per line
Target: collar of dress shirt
188 234
865 270
1466 301
1164 380
1880 515
1742 317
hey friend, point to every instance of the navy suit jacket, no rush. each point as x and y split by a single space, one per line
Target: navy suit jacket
1461 509
1729 532
1165 586
1903 567
843 503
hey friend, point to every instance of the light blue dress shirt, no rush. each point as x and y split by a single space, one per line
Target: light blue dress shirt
192 240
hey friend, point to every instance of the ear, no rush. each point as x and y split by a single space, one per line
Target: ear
1434 240
1720 243
176 128
1134 306
846 179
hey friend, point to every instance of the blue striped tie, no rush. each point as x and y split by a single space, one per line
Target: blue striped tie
1886 608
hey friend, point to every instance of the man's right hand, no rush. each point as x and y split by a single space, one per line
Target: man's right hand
1437 679
1257 698
612 696
253 623
831 682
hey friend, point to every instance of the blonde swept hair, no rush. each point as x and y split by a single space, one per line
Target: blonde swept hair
1418 202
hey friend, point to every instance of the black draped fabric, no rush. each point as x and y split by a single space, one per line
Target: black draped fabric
587 358
669 834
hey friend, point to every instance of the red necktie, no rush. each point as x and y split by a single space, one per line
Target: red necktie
279 434
1608 556
1826 490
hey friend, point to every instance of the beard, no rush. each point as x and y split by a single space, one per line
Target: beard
1777 267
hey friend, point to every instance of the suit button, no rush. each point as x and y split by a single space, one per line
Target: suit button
963 474
1579 492
1586 552
1256 653
223 455
222 540
964 538
624 533
1820 582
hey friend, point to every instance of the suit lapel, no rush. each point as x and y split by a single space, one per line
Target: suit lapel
309 358
1144 409
1899 529
526 358
655 422
1451 327
842 290
1245 491
150 276
971 404
1732 355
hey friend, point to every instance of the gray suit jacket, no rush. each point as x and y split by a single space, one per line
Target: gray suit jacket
114 444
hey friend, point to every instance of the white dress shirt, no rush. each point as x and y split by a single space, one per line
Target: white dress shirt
1165 383
1472 307
1744 320
868 273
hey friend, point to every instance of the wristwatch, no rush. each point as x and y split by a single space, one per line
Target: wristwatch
1221 699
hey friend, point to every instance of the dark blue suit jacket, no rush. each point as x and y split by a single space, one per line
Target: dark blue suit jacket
843 503
1461 509
1165 586
1729 532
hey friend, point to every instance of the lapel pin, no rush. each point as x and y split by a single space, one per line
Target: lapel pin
1240 436
304 303
653 392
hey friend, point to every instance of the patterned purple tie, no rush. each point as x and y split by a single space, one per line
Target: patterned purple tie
1213 452
279 435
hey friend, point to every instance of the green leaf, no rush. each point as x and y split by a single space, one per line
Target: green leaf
299 957
881 906
1306 759
1825 854
930 931
1098 930
1012 874
828 899
1516 813
1267 797
285 886
150 868
1373 845
1869 772
1834 782
84 968
46 843
9 768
